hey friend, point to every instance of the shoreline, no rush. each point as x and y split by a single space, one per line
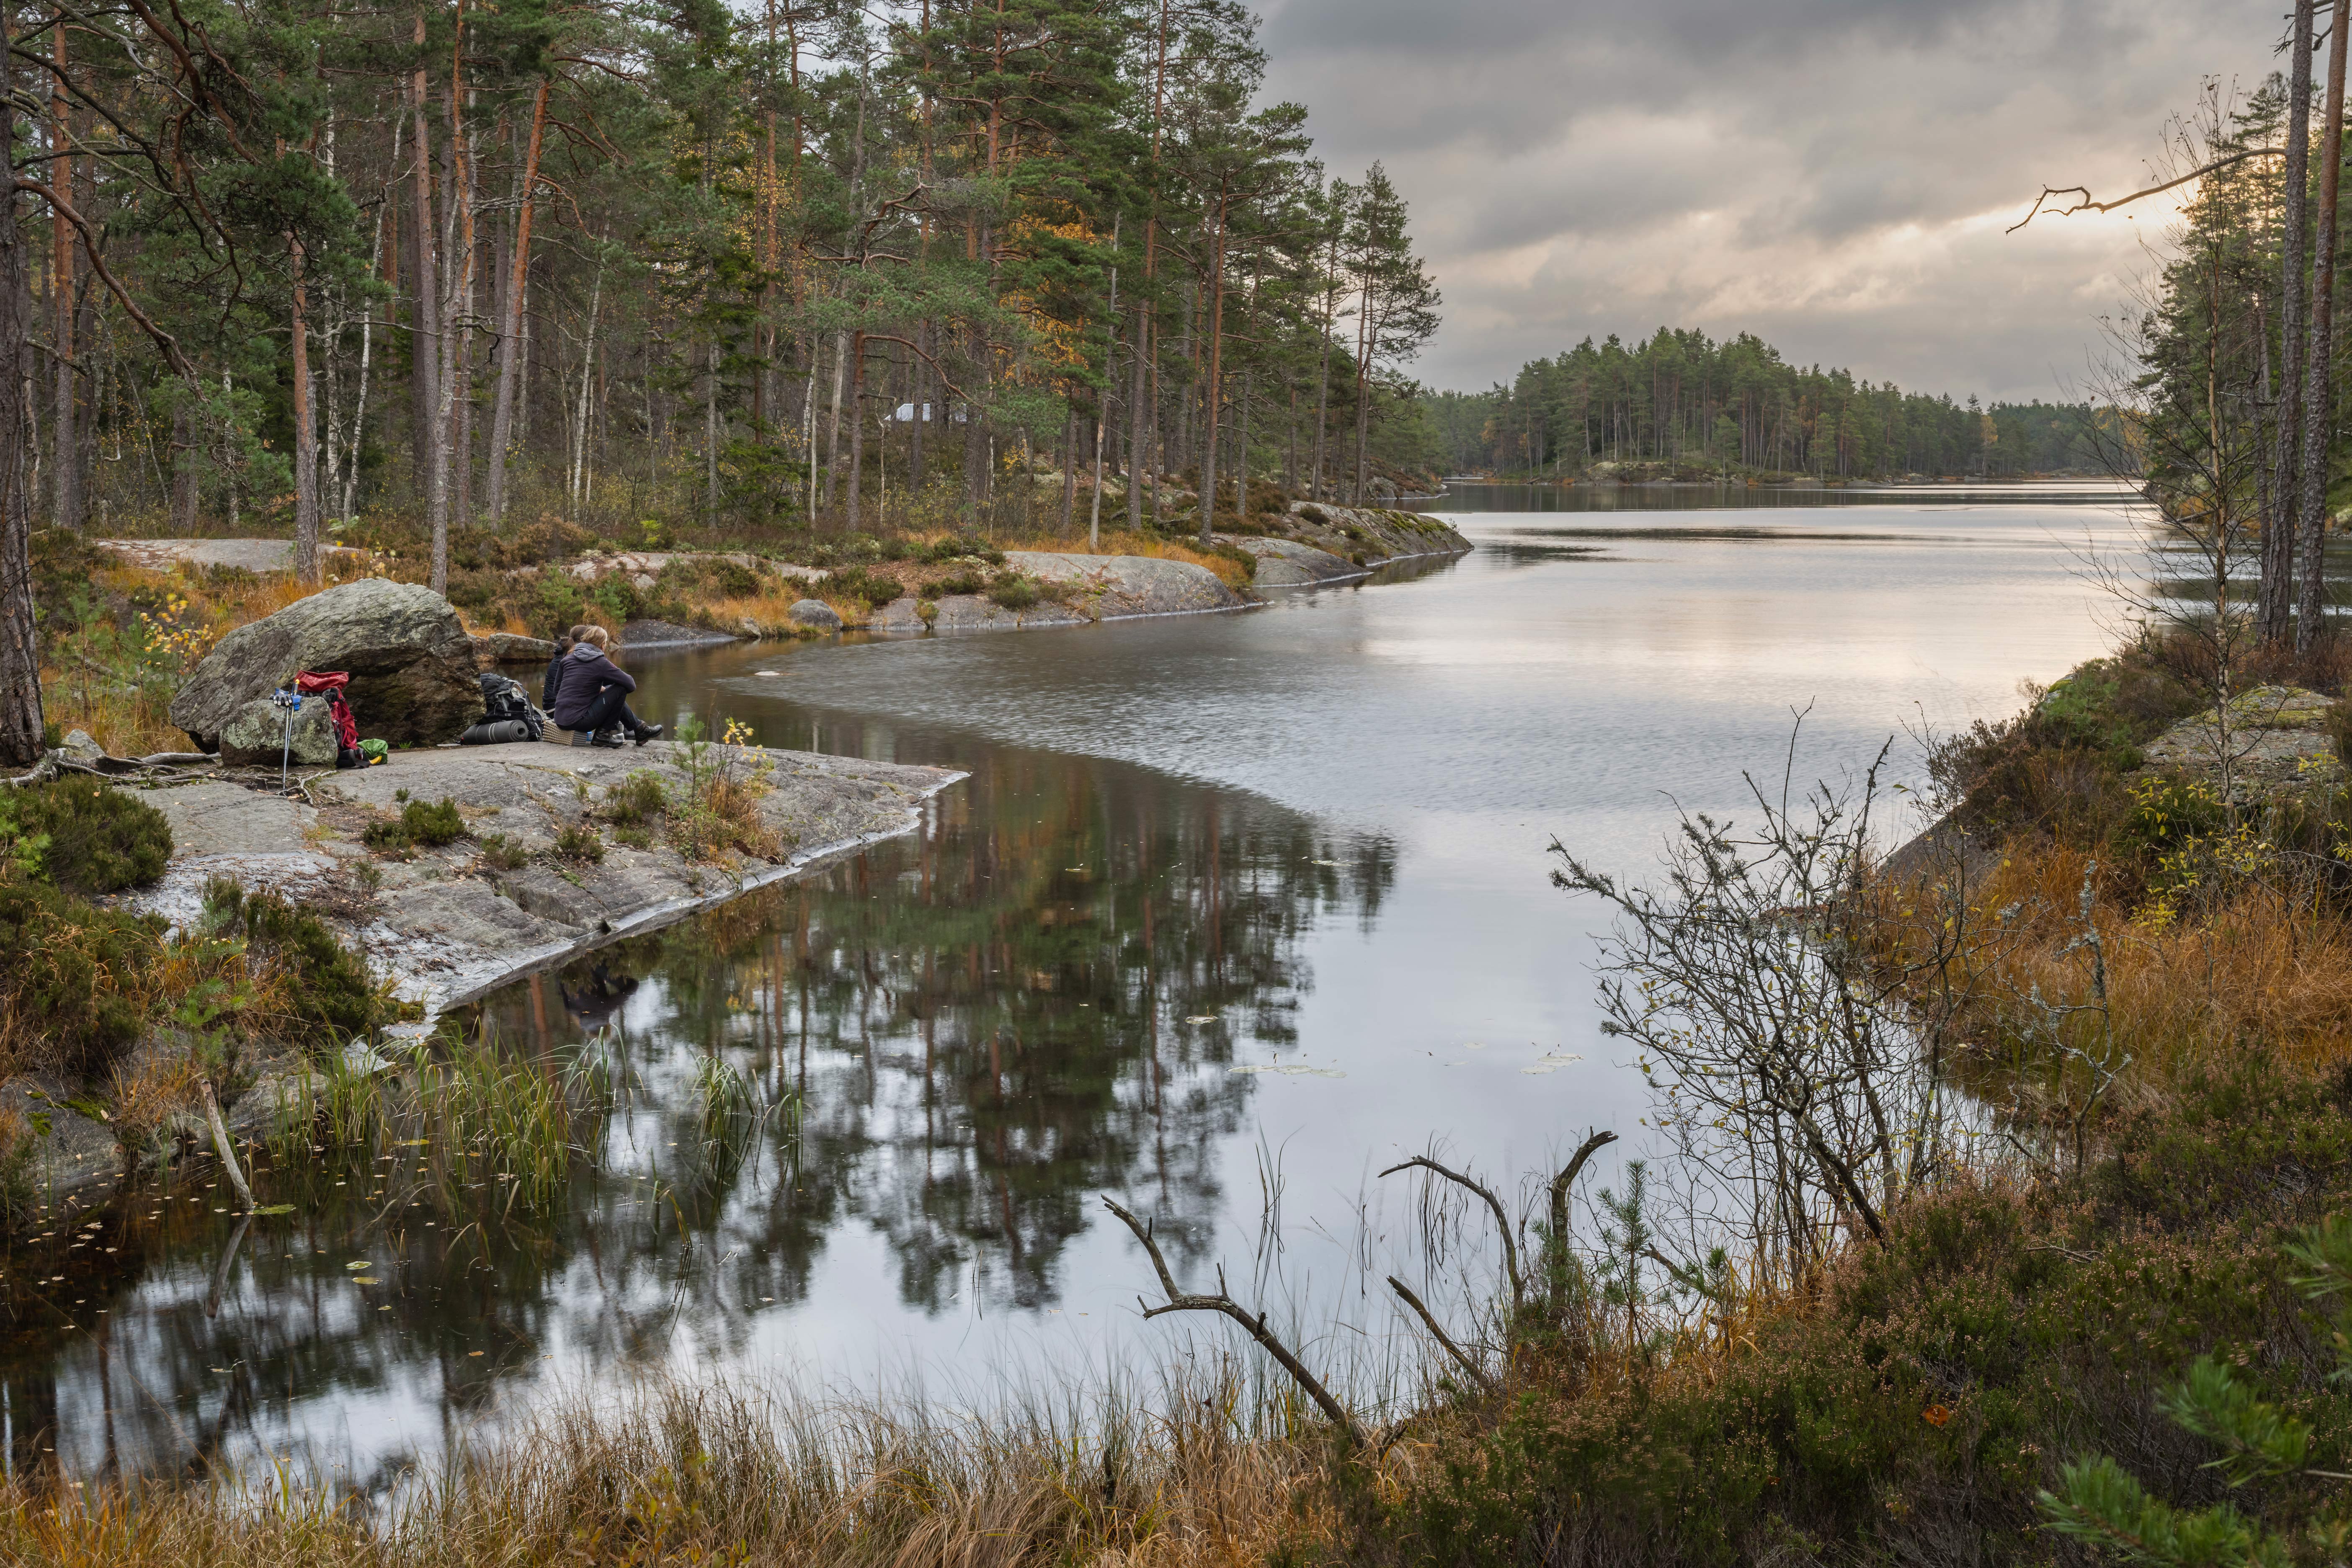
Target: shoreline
444 928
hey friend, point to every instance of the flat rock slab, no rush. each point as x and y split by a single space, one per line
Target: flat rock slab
442 924
650 562
2273 739
1373 534
1113 587
251 554
1286 563
666 633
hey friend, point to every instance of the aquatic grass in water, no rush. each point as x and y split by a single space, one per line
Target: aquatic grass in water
527 1122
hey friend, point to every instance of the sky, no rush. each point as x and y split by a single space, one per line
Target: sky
1832 175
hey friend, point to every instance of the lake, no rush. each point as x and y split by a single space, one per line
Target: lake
1233 911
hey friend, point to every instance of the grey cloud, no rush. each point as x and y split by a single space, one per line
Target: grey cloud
1817 170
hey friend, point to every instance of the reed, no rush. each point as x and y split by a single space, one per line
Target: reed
668 1472
469 1108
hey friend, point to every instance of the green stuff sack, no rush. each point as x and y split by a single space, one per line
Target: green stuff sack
375 752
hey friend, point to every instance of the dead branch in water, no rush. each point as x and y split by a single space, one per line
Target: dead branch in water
1188 1301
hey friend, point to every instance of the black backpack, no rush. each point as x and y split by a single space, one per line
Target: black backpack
504 702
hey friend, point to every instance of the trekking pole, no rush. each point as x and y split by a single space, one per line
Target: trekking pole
291 701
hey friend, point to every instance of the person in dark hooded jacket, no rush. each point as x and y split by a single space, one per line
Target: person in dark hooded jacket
591 699
553 680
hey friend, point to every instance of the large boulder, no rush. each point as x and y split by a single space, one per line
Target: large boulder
257 736
815 613
413 666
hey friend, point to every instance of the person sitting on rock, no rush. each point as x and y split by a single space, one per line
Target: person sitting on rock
553 680
593 700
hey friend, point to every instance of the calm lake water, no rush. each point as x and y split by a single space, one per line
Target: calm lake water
1233 911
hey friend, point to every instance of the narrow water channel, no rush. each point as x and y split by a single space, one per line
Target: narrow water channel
1233 911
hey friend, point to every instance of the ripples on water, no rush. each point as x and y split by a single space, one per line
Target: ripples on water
1309 839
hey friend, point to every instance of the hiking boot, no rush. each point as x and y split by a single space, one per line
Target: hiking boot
609 739
648 732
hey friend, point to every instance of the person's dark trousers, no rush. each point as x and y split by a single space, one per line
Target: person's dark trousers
610 707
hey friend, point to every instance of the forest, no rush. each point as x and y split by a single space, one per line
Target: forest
413 271
1681 398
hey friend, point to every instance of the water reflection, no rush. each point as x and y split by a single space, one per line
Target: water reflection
945 1044
1471 496
1309 836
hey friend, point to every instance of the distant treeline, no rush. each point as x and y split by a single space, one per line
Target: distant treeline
1682 398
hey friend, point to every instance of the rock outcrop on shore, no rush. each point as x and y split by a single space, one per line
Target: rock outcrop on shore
446 925
2272 738
413 665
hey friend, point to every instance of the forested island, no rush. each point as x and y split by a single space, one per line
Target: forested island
1702 408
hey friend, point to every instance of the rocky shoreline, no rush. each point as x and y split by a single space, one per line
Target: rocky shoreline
1311 545
516 894
446 925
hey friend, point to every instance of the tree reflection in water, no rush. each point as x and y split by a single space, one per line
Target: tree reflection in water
950 1042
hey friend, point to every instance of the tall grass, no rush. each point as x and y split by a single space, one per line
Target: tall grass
672 1473
469 1106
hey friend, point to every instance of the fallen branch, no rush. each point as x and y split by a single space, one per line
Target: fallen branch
1502 1219
2087 206
1188 1301
225 1146
1429 1322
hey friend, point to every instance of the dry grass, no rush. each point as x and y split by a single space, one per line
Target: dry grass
670 1474
2262 964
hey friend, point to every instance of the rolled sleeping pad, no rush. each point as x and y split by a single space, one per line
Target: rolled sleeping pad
497 732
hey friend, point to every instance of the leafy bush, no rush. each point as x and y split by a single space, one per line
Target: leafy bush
433 825
99 839
1931 1389
961 548
859 585
72 977
577 841
318 989
617 597
385 835
734 579
963 581
2166 815
1015 593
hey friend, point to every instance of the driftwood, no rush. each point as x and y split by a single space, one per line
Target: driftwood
1502 1219
1189 1302
1428 1321
225 1146
1560 1184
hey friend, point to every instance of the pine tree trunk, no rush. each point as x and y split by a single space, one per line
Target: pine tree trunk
856 427
1214 385
65 448
1069 471
306 435
511 332
2318 402
1139 440
20 652
185 461
423 311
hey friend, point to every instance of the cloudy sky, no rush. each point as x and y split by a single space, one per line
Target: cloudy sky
1834 176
